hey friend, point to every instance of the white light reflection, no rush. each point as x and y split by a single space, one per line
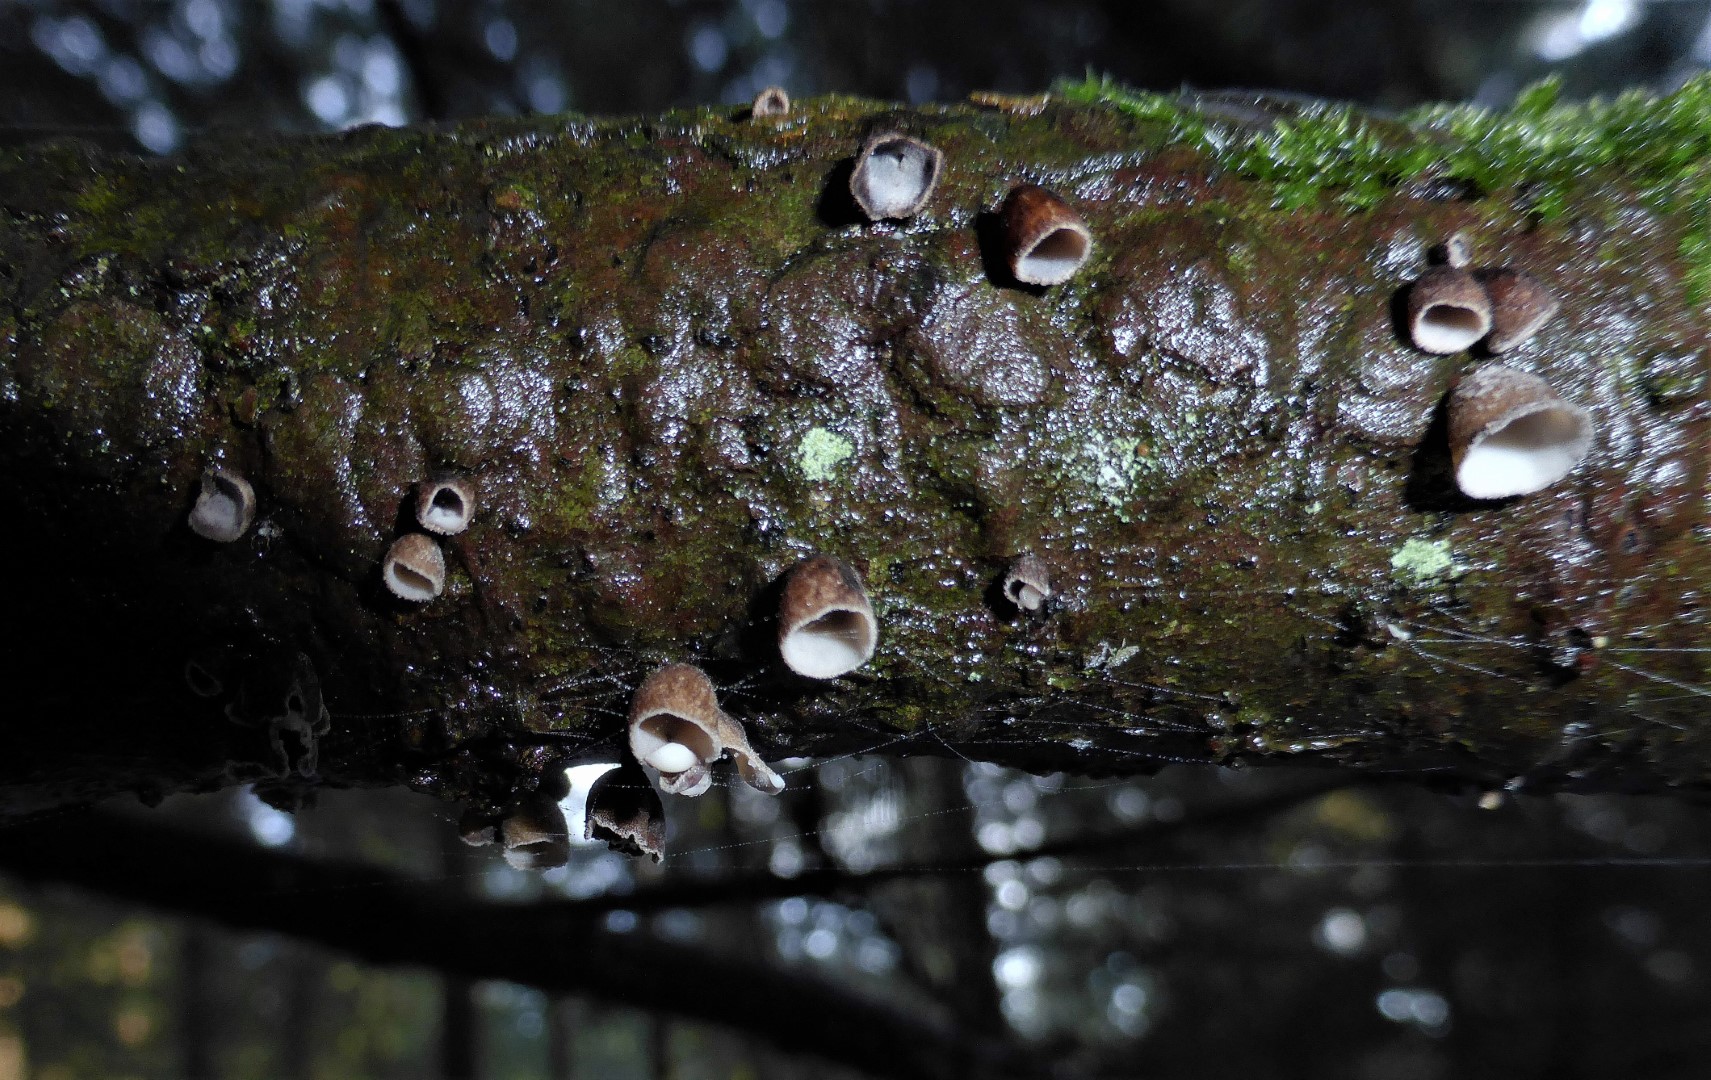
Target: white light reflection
155 127
271 828
1425 1009
1565 34
1341 931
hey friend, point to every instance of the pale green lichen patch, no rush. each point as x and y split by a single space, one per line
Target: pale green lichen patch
1111 465
1105 658
820 452
1422 563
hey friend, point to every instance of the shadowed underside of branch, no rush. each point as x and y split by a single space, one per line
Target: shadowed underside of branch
674 361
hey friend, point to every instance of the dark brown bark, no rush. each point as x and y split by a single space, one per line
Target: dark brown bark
674 366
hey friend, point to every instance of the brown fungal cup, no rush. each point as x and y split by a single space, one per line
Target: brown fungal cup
535 835
1045 242
772 101
1511 434
894 175
826 625
224 508
1448 310
1520 305
624 810
1028 583
445 505
677 727
414 569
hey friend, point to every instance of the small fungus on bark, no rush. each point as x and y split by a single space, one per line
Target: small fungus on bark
1045 242
535 834
677 727
224 508
772 101
826 625
894 175
445 505
1028 583
1520 305
1511 434
1448 311
414 568
624 810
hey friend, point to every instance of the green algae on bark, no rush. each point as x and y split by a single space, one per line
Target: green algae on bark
674 363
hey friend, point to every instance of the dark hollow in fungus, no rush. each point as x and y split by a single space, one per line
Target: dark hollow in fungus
894 175
772 101
445 505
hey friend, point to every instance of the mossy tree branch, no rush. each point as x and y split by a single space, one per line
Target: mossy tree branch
674 363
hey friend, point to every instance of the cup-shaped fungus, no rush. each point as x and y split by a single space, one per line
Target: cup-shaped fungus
677 727
624 810
224 508
1028 583
894 175
1510 434
1520 304
445 505
772 101
1045 242
414 568
477 828
535 835
826 625
1447 310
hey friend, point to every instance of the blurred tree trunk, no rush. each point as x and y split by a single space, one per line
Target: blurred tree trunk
197 1005
674 362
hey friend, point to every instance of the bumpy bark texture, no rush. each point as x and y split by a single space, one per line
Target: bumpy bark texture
675 363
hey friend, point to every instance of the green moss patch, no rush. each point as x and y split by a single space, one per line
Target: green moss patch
1541 150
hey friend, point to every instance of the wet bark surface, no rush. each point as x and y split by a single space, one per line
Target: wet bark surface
674 362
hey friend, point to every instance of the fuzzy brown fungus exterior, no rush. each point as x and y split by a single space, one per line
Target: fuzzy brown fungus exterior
1045 241
1520 305
677 727
1448 310
826 625
624 810
771 102
1511 434
1028 583
414 568
225 507
445 504
894 175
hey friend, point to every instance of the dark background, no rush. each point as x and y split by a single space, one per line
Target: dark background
1196 923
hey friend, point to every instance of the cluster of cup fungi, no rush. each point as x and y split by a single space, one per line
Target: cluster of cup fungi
1510 433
